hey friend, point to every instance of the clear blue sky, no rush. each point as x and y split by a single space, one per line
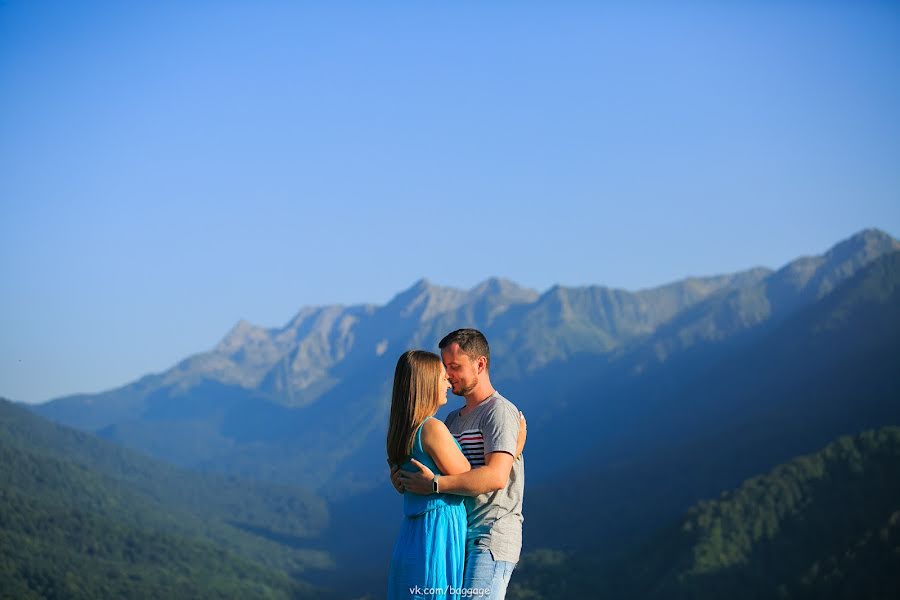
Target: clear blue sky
167 168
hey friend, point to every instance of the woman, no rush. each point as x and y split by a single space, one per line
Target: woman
429 555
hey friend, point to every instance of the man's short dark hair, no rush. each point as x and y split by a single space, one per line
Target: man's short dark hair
471 341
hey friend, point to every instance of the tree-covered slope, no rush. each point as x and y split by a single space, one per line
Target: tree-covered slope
825 525
82 517
66 545
280 510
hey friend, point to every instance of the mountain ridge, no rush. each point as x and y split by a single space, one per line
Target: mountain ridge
344 356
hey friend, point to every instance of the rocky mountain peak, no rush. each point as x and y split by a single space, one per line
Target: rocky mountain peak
865 245
424 300
501 288
242 334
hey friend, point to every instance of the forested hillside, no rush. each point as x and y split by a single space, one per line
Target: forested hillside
824 525
83 518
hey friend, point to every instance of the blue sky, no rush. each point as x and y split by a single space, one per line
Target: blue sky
167 168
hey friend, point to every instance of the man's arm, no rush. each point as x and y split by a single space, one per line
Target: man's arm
489 478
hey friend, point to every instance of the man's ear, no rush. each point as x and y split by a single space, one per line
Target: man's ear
482 364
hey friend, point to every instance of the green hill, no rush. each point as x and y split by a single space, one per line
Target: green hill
801 531
825 525
84 518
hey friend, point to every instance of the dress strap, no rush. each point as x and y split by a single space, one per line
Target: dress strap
421 425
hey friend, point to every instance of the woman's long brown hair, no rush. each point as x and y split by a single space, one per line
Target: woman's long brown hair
414 398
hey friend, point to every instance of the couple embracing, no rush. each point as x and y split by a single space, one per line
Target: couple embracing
462 481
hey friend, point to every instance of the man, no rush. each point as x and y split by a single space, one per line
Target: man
487 428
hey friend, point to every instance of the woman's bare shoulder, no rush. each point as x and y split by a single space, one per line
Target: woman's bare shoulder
434 430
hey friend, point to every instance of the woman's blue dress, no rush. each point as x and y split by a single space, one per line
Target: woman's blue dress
430 552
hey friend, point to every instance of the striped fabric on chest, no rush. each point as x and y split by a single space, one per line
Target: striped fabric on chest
472 442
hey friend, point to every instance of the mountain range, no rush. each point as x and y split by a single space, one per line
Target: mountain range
267 393
640 403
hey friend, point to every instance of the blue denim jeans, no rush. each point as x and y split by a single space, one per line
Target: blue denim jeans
485 578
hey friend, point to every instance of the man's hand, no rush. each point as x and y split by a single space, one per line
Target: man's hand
418 482
395 478
523 432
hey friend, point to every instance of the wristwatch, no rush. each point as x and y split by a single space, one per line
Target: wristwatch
434 483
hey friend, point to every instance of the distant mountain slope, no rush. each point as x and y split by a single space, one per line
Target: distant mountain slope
568 321
67 493
823 526
649 385
770 300
833 355
828 370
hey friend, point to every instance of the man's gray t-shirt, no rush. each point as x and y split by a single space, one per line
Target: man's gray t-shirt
494 519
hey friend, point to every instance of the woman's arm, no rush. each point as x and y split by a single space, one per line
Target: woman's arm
438 442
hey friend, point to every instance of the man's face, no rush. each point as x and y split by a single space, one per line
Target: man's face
462 372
